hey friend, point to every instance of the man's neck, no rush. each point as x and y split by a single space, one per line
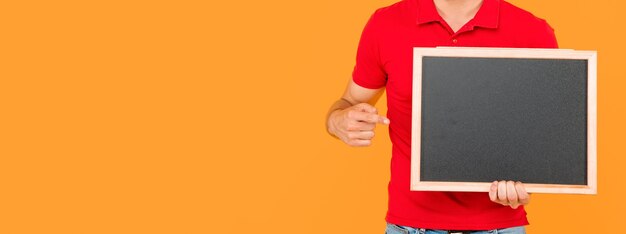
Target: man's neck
457 13
458 8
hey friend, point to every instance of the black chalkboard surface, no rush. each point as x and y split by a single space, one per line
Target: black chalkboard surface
481 115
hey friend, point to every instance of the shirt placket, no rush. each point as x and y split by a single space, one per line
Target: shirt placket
455 38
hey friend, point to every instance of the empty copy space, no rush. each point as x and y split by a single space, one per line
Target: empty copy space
486 119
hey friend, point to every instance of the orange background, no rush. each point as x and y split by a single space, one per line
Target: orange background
208 117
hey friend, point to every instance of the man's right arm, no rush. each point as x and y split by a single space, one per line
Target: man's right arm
353 118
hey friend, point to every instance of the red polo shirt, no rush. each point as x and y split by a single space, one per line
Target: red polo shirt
384 58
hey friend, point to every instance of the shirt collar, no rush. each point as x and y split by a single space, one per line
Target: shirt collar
487 16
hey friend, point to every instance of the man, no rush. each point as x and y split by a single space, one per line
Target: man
384 61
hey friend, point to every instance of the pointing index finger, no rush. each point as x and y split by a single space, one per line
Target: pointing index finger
370 118
374 118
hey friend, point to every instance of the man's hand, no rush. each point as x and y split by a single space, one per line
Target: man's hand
509 193
355 125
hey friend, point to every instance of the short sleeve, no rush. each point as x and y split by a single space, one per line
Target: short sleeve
368 71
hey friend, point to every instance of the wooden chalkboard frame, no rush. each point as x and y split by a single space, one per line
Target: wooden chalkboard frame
475 52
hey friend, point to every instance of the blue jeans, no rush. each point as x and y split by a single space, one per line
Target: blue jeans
397 229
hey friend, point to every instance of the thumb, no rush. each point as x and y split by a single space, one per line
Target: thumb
365 107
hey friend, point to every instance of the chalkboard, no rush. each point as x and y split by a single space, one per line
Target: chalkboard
481 115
